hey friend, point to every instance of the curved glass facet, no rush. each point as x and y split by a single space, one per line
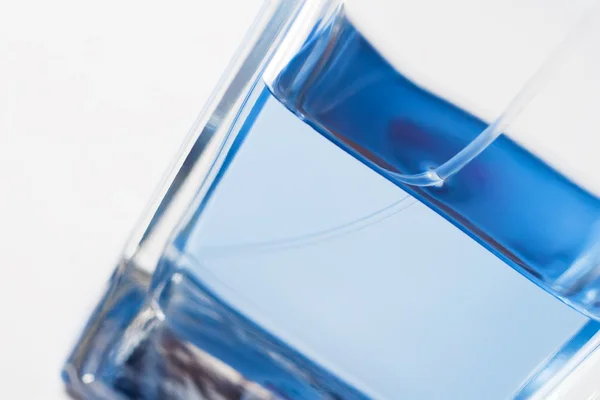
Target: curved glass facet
287 257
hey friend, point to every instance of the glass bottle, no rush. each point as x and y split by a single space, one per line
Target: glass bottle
383 199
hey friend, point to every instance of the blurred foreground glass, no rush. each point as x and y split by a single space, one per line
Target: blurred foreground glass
382 199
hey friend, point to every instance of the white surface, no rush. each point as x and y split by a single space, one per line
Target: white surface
95 99
479 54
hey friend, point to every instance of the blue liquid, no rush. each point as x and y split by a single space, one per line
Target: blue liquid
323 249
514 204
346 268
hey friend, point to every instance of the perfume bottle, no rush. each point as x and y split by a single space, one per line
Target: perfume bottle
383 199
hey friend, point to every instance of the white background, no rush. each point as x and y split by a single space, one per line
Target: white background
95 99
